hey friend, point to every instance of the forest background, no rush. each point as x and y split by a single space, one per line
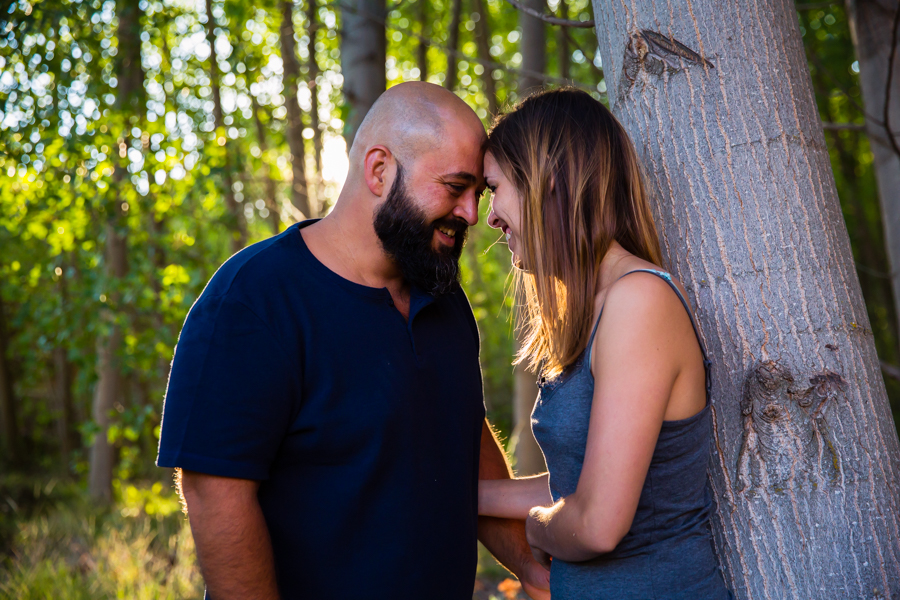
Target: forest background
145 142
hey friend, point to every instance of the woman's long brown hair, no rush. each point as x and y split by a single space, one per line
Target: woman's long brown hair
582 187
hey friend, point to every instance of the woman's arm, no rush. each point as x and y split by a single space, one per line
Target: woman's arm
636 358
513 498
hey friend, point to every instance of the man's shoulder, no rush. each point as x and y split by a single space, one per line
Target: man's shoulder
252 272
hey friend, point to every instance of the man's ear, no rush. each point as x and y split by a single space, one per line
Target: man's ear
375 168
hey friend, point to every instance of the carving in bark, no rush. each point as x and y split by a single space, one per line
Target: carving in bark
363 55
787 444
805 469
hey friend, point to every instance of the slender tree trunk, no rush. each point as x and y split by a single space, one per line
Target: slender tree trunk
12 442
533 47
452 75
805 454
562 43
363 55
299 190
62 375
483 40
271 198
874 25
425 32
108 391
312 20
529 458
866 234
62 371
235 212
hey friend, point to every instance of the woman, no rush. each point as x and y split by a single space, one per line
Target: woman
623 413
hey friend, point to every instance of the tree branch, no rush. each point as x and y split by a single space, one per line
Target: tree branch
815 5
549 18
890 370
578 47
839 126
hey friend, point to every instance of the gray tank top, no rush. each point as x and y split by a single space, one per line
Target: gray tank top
667 553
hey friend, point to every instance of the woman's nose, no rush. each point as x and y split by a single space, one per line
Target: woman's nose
493 220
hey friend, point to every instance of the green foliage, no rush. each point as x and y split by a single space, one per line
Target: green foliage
77 165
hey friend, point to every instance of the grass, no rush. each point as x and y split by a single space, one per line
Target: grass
58 545
54 543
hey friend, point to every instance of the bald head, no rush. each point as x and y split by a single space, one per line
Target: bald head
412 119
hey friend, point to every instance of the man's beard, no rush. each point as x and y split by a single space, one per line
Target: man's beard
408 239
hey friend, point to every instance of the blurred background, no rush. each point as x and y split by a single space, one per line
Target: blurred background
144 142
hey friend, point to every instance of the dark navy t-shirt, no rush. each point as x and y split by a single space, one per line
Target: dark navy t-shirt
363 428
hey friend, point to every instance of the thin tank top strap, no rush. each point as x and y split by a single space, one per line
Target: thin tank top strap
707 364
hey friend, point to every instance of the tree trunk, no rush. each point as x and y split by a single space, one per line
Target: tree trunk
805 455
452 75
12 443
874 25
62 375
533 47
299 191
108 391
62 371
237 224
363 56
271 198
562 43
529 457
312 20
425 32
865 231
483 40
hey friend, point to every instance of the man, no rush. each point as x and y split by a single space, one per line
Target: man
325 400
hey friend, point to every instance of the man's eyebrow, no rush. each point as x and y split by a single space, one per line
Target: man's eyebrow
464 175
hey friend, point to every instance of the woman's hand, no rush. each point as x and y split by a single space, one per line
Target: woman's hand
532 524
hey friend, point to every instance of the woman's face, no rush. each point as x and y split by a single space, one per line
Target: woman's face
506 205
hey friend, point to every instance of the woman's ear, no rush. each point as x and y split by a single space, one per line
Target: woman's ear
376 162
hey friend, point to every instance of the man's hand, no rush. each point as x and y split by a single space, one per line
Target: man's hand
535 580
505 538
232 540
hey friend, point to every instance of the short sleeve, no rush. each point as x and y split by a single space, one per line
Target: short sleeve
230 396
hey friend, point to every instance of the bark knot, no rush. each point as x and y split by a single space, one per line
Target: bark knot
656 53
787 443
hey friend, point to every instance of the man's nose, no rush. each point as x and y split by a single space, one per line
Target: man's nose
467 207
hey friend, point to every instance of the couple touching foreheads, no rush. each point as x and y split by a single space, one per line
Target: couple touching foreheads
325 402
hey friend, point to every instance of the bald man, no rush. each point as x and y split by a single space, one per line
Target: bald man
325 403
